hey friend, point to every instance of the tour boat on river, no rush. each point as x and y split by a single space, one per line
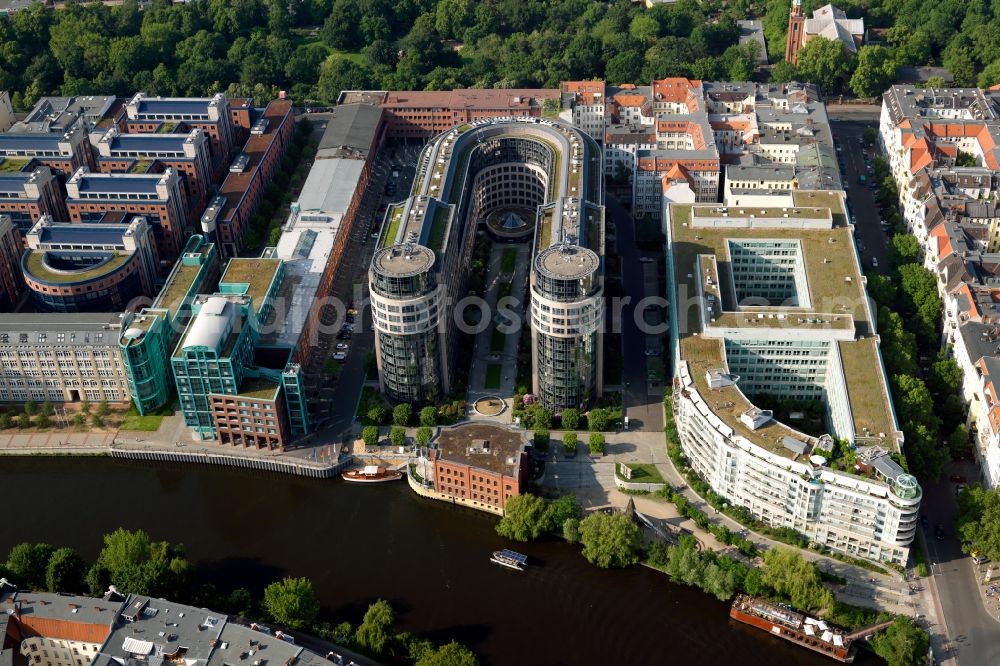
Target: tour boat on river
371 474
510 559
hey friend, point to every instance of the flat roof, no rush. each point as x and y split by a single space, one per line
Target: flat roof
330 185
119 183
258 388
257 273
53 606
30 142
165 105
834 281
180 281
149 143
482 445
83 234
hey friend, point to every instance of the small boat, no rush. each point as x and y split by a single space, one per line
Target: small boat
510 559
371 474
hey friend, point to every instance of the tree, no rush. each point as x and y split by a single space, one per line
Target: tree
526 517
610 540
428 417
79 420
397 436
402 413
571 530
378 414
624 67
369 434
96 421
596 444
570 419
424 435
598 419
541 418
793 577
562 509
47 408
958 441
23 421
876 70
783 72
824 62
30 408
904 249
292 602
569 443
375 632
978 521
902 644
28 562
102 408
4 420
337 74
43 421
65 572
452 654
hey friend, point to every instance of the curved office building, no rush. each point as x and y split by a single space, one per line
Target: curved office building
464 176
89 267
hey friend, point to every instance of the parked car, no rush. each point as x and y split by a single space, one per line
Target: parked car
939 532
647 260
957 478
340 356
874 262
342 346
980 559
959 488
652 352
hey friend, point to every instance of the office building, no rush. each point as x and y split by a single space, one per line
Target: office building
418 114
769 303
11 281
61 357
89 267
186 154
583 105
223 369
109 197
480 466
62 114
249 175
426 241
212 115
26 196
64 153
149 336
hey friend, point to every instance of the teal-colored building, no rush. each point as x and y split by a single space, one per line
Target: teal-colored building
220 358
149 336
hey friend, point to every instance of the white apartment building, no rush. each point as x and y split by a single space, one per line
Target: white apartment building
61 357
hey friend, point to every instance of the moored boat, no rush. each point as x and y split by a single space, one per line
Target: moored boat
510 559
371 474
783 622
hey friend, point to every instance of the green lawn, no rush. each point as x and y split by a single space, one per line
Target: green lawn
142 423
642 473
493 371
498 341
508 260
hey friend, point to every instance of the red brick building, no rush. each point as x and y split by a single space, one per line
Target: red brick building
423 114
253 418
11 282
480 465
251 173
27 195
64 153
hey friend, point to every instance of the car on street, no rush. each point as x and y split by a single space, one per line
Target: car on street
344 335
980 559
939 532
342 346
647 260
959 488
874 262
652 352
957 478
340 356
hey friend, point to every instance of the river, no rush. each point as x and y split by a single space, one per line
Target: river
356 543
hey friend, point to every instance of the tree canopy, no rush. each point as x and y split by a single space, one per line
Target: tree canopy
376 631
793 577
292 602
978 522
610 540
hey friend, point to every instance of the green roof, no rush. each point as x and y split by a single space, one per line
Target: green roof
179 283
259 388
37 268
257 273
14 164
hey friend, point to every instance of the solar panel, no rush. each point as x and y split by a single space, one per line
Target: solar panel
517 557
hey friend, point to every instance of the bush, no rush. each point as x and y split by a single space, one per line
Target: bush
571 530
570 442
541 439
570 419
596 444
30 408
428 417
424 435
402 413
370 435
397 436
23 421
378 415
598 419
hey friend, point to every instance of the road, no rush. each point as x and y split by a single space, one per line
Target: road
974 632
871 240
642 408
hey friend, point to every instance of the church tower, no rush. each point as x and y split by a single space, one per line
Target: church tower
796 32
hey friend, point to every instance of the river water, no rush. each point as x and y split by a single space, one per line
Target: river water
430 560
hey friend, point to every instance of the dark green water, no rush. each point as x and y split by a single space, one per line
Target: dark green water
359 543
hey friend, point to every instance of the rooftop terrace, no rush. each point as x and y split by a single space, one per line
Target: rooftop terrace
259 388
179 283
35 265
